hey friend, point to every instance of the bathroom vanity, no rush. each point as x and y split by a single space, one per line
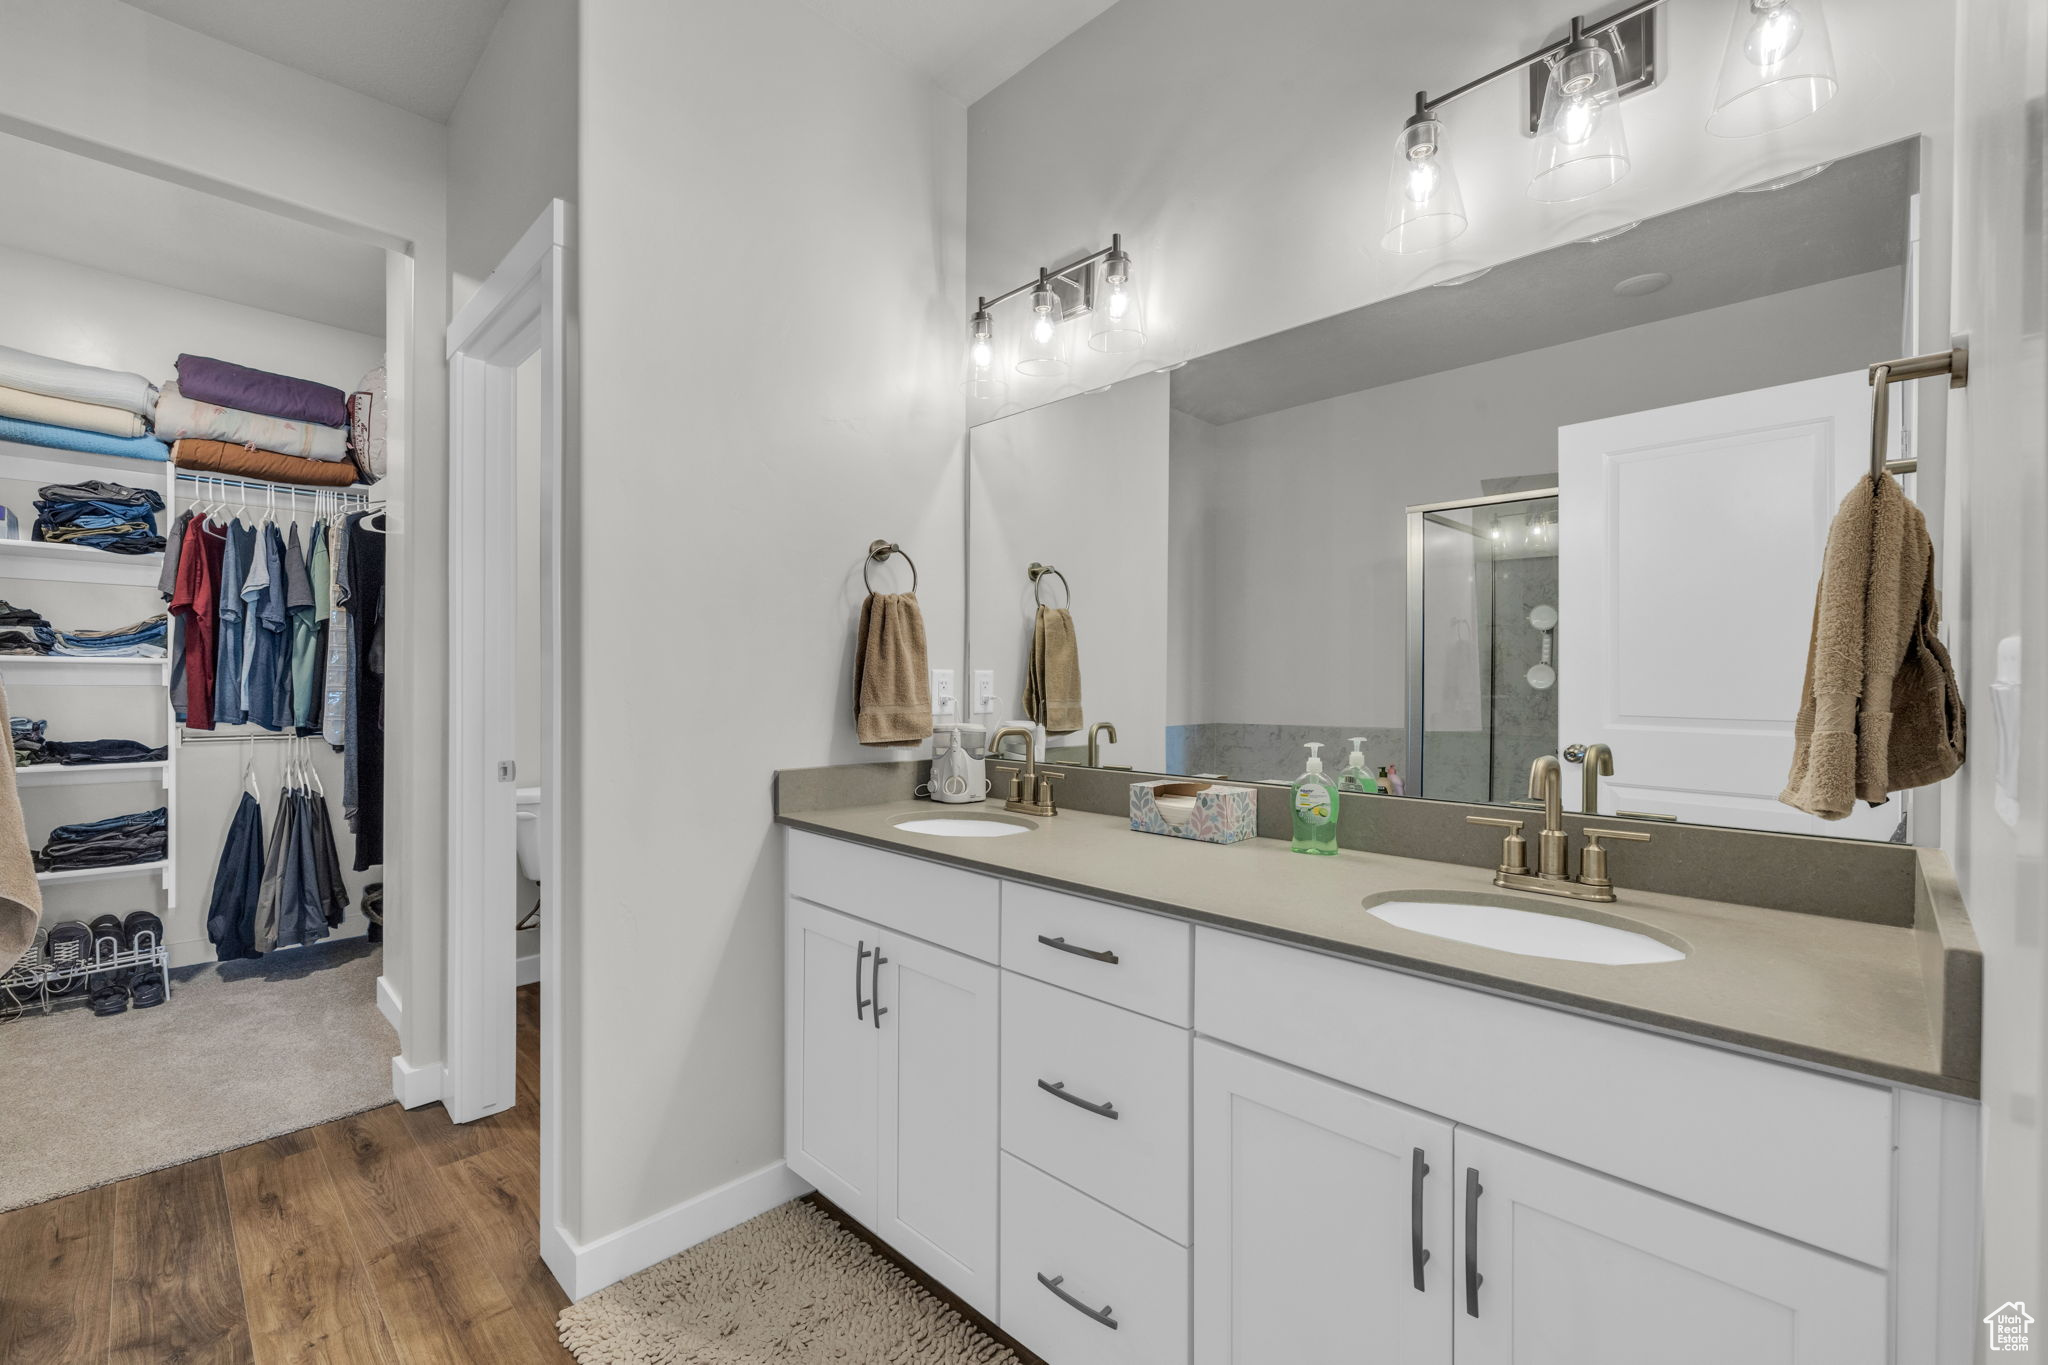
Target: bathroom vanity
1140 1099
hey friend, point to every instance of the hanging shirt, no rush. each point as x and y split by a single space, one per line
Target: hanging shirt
334 691
228 706
301 607
268 649
167 584
365 758
195 601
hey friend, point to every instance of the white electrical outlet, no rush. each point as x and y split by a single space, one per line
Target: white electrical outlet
943 700
984 691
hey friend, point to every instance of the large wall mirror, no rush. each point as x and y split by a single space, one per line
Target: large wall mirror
1575 501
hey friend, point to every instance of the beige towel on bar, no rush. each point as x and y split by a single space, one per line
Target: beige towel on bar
892 686
1879 710
21 896
1052 683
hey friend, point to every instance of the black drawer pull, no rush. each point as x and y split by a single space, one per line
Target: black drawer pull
1059 1088
1473 1279
1417 1253
880 1008
1092 954
861 1002
1100 1315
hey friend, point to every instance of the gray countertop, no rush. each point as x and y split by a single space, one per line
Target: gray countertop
1876 1000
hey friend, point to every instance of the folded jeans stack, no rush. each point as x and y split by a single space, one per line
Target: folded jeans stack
22 631
100 516
143 639
29 740
33 746
116 841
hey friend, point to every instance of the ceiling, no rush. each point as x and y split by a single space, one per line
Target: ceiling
1848 220
90 213
416 54
966 47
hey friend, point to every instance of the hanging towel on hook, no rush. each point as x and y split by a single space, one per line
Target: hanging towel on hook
1879 710
1052 683
892 688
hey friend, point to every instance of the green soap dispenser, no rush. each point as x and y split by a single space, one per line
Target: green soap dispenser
1356 777
1315 808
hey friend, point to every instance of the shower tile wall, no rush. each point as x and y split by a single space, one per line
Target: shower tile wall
1524 717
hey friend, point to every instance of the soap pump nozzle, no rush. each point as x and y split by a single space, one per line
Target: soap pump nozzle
1315 756
1357 743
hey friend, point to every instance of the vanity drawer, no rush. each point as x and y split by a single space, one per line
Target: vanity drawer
939 904
1126 957
1103 1057
1798 1153
1102 1262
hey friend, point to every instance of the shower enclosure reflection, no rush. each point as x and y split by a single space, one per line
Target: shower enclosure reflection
1483 654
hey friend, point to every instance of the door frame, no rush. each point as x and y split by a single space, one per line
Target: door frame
519 311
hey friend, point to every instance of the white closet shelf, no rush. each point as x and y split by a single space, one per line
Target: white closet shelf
76 563
86 774
47 464
95 874
53 671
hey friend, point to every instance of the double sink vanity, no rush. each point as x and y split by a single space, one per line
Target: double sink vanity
1151 1100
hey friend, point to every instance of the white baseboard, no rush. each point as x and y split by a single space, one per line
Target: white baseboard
390 1006
529 969
413 1086
583 1268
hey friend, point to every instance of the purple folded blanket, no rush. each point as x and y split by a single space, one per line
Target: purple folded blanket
204 380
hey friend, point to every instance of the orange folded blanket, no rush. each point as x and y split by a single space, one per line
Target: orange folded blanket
242 462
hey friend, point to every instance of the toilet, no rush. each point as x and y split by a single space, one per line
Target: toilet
528 836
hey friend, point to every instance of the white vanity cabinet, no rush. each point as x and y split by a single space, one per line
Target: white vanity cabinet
1132 1141
890 1065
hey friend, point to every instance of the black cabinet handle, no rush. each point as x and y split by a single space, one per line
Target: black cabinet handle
860 1004
1092 954
1417 1253
1473 1279
880 1008
1059 1088
1100 1315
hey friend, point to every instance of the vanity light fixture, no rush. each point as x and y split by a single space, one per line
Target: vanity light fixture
1581 147
1778 67
1098 287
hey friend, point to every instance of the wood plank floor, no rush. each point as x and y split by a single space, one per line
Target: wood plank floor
390 1238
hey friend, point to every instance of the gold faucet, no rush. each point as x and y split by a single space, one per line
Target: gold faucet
1030 789
1553 859
1095 741
1599 761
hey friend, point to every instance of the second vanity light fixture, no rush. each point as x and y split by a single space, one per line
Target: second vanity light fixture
1777 69
1097 288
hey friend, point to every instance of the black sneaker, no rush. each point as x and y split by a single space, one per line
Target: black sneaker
70 950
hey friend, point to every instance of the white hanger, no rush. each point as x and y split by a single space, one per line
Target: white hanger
249 770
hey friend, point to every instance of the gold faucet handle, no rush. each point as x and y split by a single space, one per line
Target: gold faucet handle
1593 858
1514 849
1045 781
1016 781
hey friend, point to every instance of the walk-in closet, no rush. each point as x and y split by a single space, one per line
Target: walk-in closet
192 579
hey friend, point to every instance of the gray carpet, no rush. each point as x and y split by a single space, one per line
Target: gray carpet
791 1287
242 1051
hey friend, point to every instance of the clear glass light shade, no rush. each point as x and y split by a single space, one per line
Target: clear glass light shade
1425 209
982 381
1779 67
1117 322
1581 147
1042 349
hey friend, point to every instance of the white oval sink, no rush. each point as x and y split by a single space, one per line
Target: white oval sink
967 827
1531 933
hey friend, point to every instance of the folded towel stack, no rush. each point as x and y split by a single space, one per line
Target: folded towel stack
230 419
99 516
49 402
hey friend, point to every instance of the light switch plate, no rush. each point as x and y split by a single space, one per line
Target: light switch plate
944 702
984 691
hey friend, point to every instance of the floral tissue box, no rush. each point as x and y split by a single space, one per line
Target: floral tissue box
1208 811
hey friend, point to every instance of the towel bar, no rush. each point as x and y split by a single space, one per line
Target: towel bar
1955 363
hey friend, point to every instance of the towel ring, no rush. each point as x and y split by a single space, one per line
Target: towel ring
878 553
1038 573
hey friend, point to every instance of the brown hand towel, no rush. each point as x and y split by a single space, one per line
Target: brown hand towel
1052 684
1879 711
21 896
892 689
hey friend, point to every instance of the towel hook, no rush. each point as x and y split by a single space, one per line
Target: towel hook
1039 573
878 553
